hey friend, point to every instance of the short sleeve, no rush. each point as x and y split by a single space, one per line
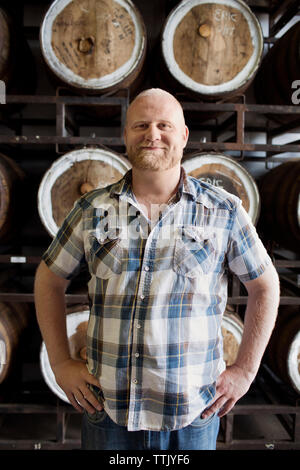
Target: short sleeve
247 257
65 255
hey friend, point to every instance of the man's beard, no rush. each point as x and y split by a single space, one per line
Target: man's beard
155 161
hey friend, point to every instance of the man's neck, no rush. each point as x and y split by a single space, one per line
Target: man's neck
155 186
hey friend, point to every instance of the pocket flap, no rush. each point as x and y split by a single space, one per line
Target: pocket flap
195 251
198 234
106 237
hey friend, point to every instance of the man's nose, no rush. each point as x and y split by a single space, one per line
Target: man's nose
152 133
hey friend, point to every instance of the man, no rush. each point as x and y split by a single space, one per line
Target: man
157 245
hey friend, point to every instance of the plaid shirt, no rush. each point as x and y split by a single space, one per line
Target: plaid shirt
157 295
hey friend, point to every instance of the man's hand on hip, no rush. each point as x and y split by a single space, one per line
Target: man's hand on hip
74 378
231 385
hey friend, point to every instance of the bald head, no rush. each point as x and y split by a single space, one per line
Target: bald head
159 94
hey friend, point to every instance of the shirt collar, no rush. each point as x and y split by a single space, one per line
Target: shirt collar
124 186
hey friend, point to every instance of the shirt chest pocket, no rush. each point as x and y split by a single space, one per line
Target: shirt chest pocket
105 256
194 252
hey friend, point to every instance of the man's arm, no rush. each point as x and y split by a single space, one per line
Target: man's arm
260 317
71 375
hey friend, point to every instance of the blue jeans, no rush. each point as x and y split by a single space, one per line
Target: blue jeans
99 432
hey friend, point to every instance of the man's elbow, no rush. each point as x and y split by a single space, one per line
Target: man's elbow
45 277
267 284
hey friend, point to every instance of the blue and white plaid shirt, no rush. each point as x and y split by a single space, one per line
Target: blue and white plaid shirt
157 295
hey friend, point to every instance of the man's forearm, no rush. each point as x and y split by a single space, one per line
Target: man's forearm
260 317
51 316
71 375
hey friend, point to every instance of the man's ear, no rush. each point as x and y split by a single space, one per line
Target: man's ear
186 135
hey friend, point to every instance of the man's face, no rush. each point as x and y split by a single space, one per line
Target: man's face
155 133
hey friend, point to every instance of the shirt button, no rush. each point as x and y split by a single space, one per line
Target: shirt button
134 381
142 297
138 325
137 354
147 268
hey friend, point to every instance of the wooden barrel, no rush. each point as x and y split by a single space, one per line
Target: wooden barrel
280 205
232 332
77 321
14 318
16 59
279 69
11 179
72 175
94 46
211 49
224 172
283 351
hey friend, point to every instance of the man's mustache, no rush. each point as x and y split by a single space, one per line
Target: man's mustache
151 146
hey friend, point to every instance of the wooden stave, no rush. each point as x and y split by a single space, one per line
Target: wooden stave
164 75
14 319
6 64
273 64
267 71
279 203
255 212
11 182
18 62
278 353
132 81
